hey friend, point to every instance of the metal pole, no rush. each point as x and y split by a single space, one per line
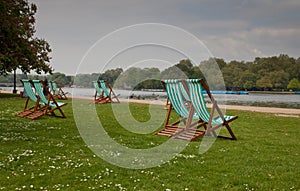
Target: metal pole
15 76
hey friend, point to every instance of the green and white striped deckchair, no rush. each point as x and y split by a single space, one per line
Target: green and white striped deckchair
108 92
36 110
100 96
56 90
51 88
214 119
179 101
51 104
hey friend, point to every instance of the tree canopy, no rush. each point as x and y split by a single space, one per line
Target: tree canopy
269 73
19 48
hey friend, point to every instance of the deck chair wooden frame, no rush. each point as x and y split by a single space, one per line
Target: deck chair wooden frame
37 109
214 119
99 97
104 93
178 100
109 91
51 104
167 105
57 91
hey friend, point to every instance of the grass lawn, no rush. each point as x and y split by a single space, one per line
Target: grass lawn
49 154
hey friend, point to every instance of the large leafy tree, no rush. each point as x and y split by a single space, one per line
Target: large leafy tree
19 48
294 84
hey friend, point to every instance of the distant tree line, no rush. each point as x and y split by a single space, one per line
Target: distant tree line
269 73
61 78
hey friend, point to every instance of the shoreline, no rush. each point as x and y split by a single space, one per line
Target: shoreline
286 112
273 110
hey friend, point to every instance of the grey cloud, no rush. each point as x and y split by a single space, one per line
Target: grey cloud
233 29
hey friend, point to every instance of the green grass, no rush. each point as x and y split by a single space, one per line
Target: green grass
49 154
8 95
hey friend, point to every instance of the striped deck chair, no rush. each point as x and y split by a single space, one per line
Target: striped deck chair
187 126
51 104
167 105
108 92
100 96
36 110
214 119
56 90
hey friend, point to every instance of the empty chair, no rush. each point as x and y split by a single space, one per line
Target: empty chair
56 90
51 104
36 109
215 118
104 93
187 126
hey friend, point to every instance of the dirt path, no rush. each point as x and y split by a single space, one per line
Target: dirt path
286 112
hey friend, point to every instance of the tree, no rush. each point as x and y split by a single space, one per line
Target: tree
234 73
248 85
294 84
185 66
111 75
137 78
213 75
19 48
221 63
248 80
173 72
60 78
264 83
280 79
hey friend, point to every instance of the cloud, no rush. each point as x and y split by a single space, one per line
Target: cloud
248 44
233 29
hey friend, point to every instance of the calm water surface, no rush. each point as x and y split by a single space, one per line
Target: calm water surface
257 99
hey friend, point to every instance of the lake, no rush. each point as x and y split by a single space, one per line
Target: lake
253 99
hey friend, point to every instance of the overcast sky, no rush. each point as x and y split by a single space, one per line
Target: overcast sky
230 29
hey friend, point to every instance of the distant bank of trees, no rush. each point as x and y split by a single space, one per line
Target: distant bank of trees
61 78
269 73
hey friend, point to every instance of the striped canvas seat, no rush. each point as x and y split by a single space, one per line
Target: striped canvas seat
104 93
57 91
187 99
37 109
51 104
214 119
179 101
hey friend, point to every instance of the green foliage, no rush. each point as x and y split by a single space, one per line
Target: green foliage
19 47
248 85
49 154
60 78
137 78
264 83
275 72
111 75
85 80
269 73
294 84
210 70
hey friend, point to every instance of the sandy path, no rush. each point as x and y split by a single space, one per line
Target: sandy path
278 111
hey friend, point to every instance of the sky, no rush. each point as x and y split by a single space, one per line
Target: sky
231 29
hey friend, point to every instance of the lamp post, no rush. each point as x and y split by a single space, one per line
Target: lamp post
15 76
